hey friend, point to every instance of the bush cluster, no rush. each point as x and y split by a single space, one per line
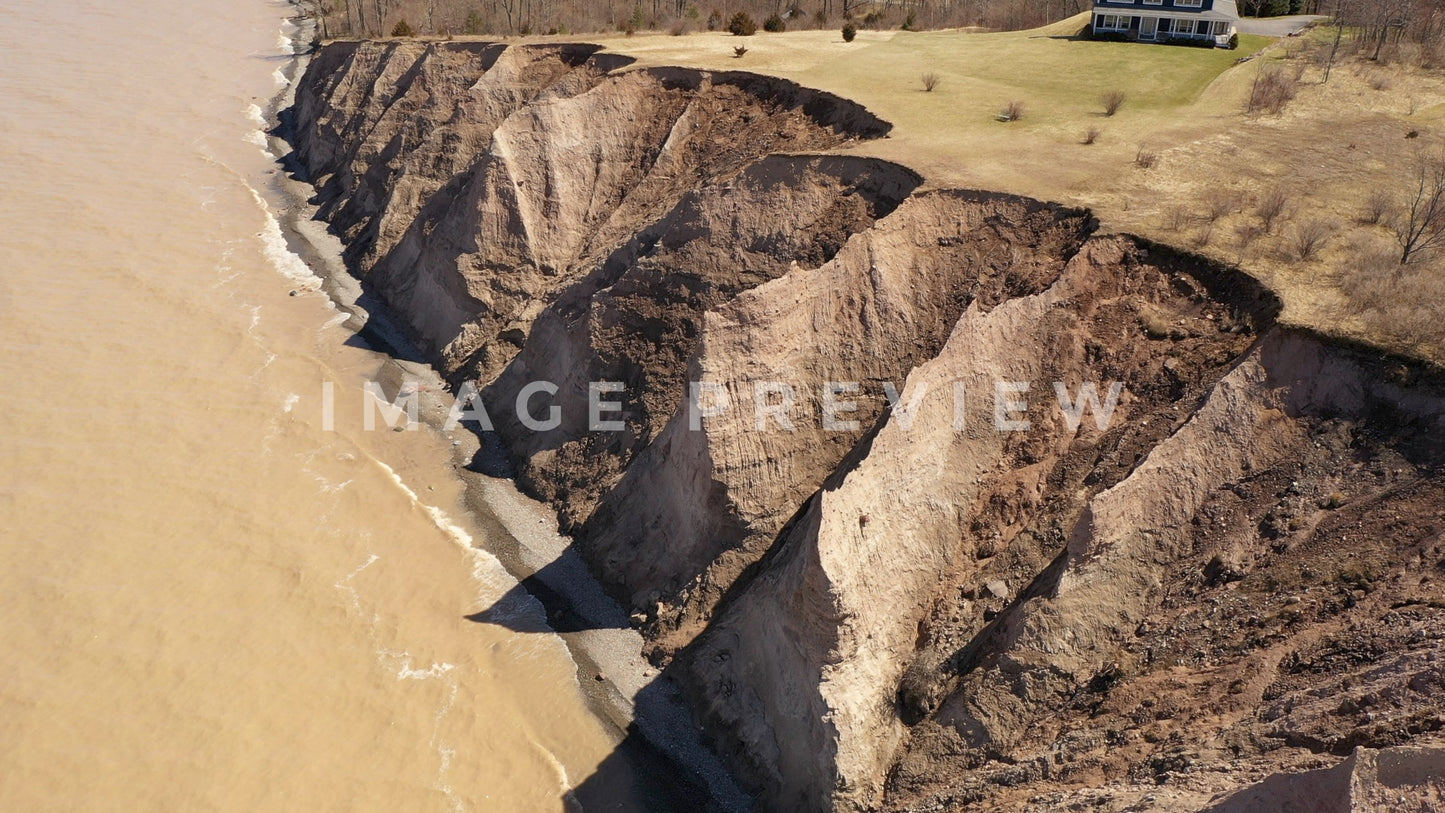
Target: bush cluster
742 25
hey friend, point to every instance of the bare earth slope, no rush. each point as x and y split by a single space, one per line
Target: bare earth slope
1233 574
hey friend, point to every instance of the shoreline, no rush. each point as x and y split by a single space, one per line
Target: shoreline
519 531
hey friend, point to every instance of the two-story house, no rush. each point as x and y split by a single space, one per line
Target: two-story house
1163 20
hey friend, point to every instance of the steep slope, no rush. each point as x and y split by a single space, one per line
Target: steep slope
836 617
882 583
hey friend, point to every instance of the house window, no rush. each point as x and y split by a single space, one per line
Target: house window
1188 3
1165 25
1111 22
1153 2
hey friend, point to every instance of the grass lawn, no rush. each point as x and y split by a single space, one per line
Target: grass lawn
951 134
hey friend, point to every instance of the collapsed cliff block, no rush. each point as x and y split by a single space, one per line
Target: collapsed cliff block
1368 781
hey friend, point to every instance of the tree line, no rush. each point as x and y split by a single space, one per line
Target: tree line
375 18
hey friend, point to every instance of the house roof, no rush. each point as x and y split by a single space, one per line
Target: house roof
1223 11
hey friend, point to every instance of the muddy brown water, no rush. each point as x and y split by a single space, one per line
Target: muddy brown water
208 600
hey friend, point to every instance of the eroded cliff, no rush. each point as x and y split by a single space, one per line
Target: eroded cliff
901 595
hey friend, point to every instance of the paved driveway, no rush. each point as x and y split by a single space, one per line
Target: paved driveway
1277 26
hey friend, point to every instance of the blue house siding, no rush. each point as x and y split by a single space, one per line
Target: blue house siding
1167 5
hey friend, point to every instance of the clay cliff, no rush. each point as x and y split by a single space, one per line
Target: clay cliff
926 498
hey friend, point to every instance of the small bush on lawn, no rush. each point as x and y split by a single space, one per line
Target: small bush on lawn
742 25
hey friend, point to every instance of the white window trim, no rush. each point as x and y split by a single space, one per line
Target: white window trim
1187 3
1113 22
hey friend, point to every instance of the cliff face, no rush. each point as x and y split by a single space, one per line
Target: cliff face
924 608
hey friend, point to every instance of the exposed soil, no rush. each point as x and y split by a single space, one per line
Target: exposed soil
1234 576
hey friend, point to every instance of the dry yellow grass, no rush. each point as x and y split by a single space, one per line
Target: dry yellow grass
1333 147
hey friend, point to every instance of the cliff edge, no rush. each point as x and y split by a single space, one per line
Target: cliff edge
926 498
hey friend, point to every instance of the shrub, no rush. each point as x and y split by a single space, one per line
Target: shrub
739 51
1309 237
714 20
1189 42
1220 202
1233 42
849 32
1205 235
1374 281
678 28
1013 111
742 25
908 23
1271 92
475 24
774 24
1145 158
1245 234
1377 207
930 81
1271 207
1177 218
403 29
1112 101
821 18
1092 135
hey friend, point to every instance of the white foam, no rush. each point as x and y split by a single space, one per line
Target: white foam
255 137
435 671
328 487
273 243
439 517
345 584
257 117
280 78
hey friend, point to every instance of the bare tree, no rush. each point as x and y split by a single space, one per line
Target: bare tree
1420 226
1339 34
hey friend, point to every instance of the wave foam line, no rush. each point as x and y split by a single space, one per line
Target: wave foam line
281 257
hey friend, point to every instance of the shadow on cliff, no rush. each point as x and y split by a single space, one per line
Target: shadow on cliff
667 770
637 776
661 763
548 587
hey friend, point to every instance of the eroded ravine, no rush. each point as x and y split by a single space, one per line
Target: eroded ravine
921 610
